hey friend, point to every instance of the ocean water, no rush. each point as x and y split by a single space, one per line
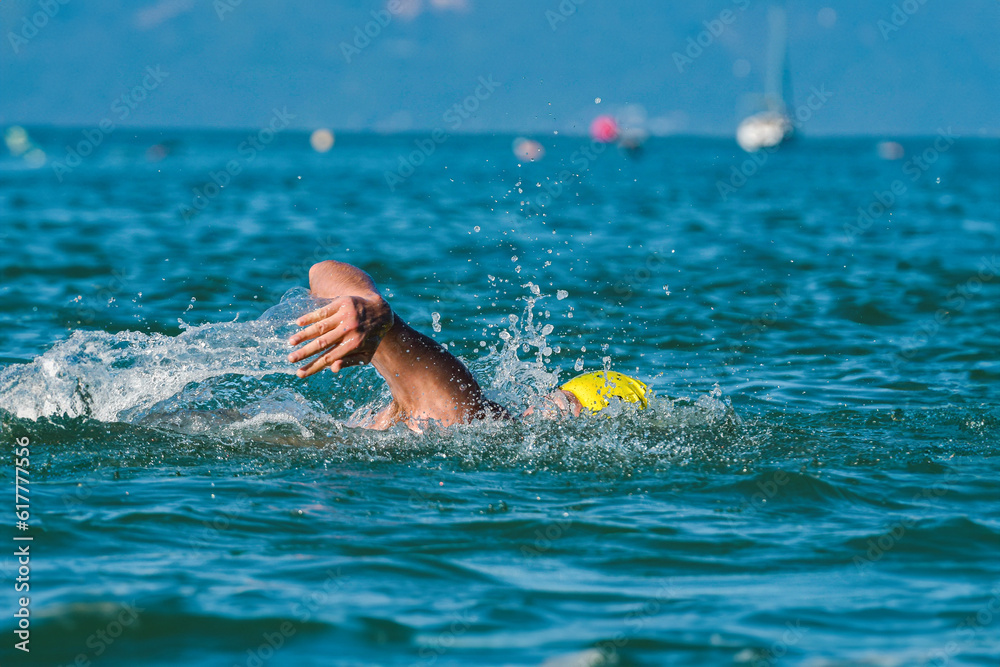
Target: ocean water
815 483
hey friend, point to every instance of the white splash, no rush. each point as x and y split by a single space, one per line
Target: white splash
107 376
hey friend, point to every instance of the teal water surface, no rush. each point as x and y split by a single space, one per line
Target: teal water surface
816 482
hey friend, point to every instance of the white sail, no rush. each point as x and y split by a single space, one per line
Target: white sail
772 126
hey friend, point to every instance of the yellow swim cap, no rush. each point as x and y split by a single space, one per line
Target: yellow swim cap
592 389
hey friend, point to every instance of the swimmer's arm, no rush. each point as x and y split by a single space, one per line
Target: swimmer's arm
426 381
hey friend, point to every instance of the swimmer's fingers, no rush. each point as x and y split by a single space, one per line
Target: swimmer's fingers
322 312
559 403
321 320
347 330
336 358
320 343
348 361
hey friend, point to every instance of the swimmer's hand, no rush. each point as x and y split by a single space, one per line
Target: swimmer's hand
558 404
345 332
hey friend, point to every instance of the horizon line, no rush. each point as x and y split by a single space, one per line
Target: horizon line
981 134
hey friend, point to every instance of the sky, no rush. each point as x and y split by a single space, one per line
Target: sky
868 67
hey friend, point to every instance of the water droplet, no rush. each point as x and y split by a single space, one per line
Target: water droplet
561 294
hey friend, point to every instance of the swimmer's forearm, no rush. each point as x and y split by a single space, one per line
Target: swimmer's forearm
426 380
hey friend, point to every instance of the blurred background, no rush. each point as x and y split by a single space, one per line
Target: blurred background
336 65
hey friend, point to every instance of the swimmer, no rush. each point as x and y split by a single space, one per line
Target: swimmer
427 382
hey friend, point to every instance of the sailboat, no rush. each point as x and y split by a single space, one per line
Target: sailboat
772 126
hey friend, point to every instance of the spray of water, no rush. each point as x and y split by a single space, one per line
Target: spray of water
232 380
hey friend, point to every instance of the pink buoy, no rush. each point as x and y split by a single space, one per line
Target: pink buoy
528 150
604 129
